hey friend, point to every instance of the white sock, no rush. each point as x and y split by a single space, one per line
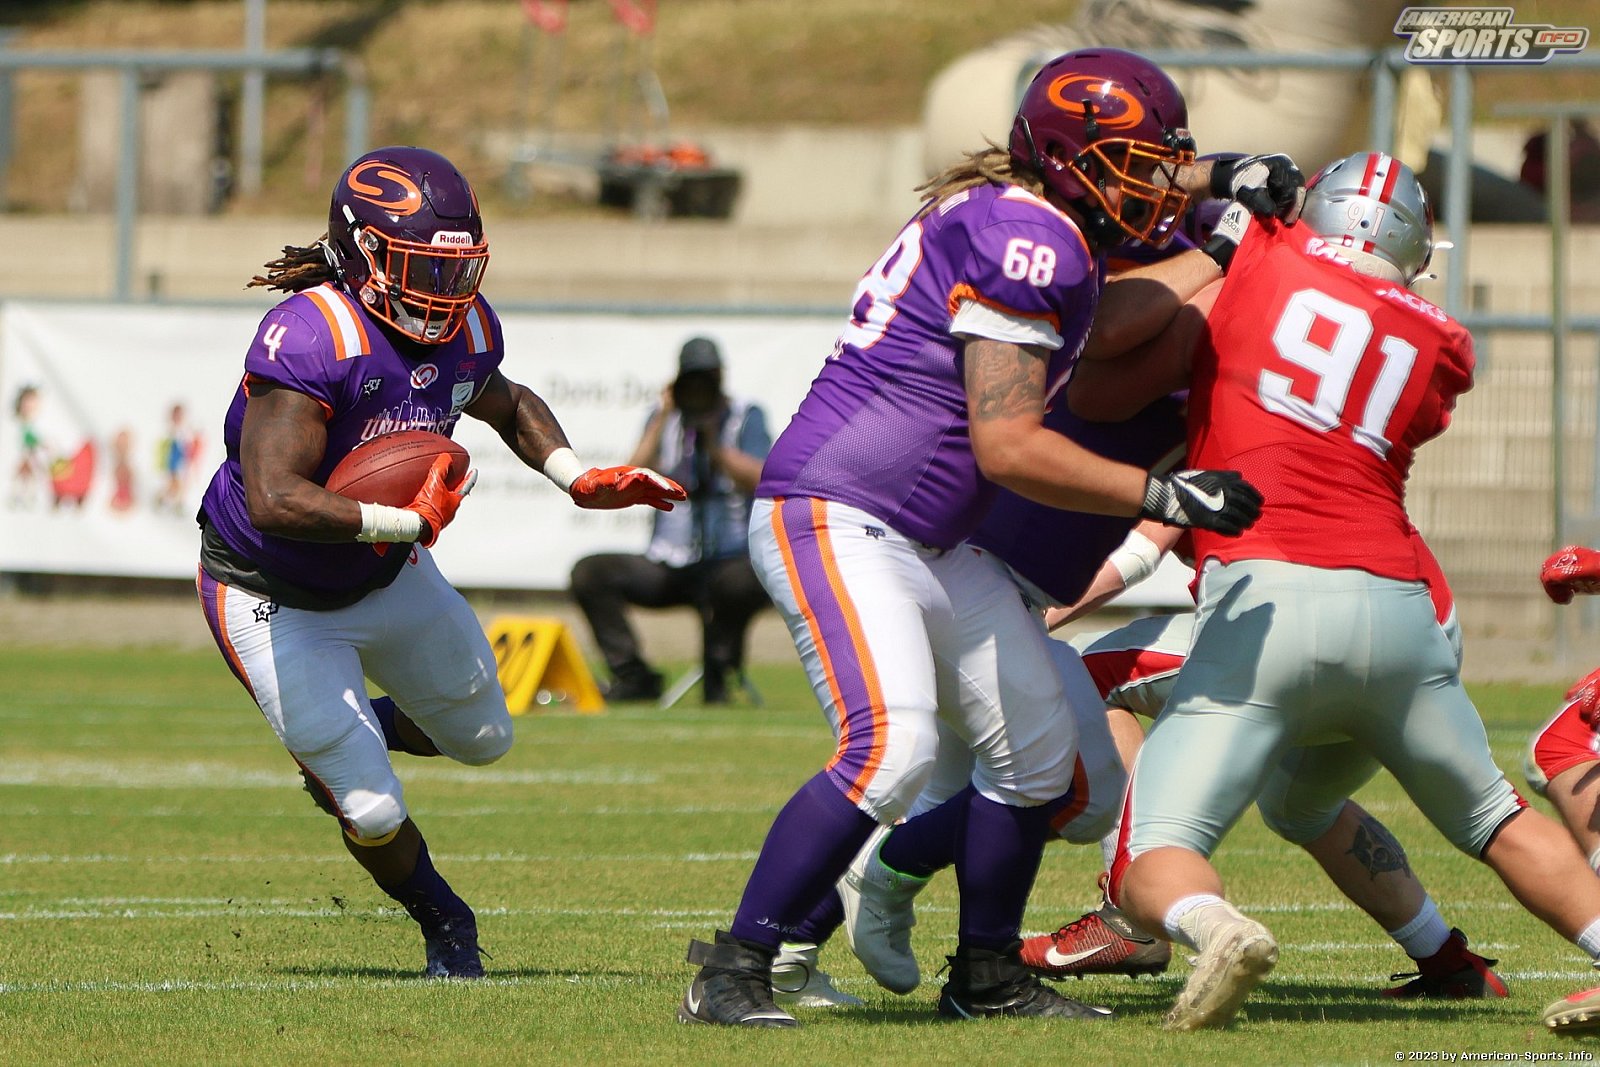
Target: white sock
1425 934
1589 940
1108 846
1176 914
1594 861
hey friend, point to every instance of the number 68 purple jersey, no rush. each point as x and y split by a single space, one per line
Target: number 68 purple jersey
884 427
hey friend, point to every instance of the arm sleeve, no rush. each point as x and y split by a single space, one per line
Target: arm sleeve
290 351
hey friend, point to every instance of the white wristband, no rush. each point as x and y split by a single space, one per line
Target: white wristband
380 522
1135 559
563 467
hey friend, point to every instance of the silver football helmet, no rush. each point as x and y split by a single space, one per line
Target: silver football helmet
1372 208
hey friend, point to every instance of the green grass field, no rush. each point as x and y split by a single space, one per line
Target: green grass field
169 895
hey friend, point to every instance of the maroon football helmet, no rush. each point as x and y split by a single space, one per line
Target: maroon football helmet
407 241
1106 130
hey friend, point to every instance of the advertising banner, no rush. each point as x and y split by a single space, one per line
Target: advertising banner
111 426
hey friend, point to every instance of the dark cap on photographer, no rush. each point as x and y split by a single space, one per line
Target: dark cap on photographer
699 354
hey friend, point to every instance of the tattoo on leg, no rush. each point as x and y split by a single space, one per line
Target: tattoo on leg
1377 849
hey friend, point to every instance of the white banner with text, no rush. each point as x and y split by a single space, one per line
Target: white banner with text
112 426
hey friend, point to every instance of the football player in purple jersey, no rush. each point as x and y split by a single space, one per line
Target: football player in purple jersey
308 593
932 400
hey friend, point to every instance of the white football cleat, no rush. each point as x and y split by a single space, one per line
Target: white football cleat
798 982
878 916
1236 953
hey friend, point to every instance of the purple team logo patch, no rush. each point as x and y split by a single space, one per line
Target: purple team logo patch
424 376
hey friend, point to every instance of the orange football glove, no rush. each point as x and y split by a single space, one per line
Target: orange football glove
437 502
1574 569
1585 693
623 487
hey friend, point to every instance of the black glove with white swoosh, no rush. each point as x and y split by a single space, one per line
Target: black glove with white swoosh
1210 500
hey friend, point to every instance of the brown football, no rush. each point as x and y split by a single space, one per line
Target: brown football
390 468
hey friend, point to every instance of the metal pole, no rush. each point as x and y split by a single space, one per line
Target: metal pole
357 110
7 133
1558 197
1458 187
252 98
127 180
1383 94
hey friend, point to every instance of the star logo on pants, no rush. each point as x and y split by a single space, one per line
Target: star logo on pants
265 610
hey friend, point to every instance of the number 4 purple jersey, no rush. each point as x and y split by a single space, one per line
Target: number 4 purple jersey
884 427
319 342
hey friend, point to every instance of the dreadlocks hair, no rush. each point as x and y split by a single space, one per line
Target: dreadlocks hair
989 166
300 267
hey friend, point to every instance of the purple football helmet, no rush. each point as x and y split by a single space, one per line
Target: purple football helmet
405 236
1101 125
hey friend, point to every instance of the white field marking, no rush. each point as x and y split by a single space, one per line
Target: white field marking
83 773
300 910
45 858
292 985
420 811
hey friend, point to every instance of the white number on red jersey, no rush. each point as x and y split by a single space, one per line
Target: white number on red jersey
1334 358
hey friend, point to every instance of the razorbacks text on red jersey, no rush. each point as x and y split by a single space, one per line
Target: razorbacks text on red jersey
1319 383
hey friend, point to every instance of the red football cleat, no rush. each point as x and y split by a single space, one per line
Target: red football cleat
1452 973
1101 942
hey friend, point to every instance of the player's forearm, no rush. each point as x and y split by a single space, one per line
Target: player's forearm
1046 467
286 505
533 433
1138 304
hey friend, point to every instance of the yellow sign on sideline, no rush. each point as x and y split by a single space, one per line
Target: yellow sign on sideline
539 665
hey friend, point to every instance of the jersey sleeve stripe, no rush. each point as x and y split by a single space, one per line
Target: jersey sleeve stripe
963 292
349 334
477 329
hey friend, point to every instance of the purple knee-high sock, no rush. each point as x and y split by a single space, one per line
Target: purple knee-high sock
426 896
927 843
997 858
384 709
811 842
824 919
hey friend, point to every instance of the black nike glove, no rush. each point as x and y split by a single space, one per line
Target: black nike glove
1267 185
1209 500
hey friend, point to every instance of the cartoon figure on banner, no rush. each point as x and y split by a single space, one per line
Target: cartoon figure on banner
68 476
123 482
33 468
176 457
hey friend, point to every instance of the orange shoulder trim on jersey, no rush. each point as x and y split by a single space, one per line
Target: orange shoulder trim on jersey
346 322
327 409
962 291
479 336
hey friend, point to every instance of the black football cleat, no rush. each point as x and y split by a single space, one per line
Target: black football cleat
734 986
984 983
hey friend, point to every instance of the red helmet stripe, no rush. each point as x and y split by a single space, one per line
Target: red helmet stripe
1370 173
1391 176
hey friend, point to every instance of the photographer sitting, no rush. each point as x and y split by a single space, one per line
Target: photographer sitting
698 554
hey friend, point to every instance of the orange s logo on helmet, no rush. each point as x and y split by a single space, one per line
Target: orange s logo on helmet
398 194
1114 107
